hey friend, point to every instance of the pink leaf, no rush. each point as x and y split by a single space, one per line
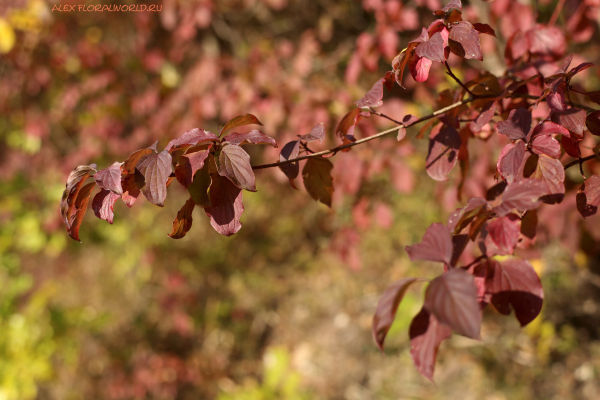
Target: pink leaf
227 206
550 171
374 96
103 204
419 68
547 145
433 48
443 153
503 234
522 195
253 137
317 133
436 245
191 138
110 178
510 162
517 125
573 119
426 334
152 173
588 196
234 163
467 37
241 120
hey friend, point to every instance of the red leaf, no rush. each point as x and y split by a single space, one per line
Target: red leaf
387 307
593 123
573 119
74 182
522 195
435 246
401 61
317 179
486 115
514 283
419 68
594 96
103 204
484 28
464 33
581 67
510 163
374 96
234 163
131 191
517 126
388 80
588 196
183 222
556 100
433 48
546 41
110 178
443 153
571 146
152 174
199 187
289 152
551 172
546 145
317 133
227 206
188 165
426 334
191 138
503 234
452 298
345 128
241 120
253 137
79 208
129 165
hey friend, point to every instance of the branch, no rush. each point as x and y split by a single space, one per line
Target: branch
580 161
376 136
384 116
572 104
458 80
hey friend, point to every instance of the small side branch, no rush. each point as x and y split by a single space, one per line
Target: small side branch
580 161
449 72
384 116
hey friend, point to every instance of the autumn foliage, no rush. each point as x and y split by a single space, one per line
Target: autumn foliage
529 106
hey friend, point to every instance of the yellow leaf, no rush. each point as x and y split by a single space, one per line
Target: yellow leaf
7 36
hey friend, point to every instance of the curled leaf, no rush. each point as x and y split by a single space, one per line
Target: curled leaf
317 133
241 120
103 204
253 137
317 179
227 207
110 178
183 222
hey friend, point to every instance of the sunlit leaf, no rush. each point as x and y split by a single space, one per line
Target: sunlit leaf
317 133
522 195
152 173
503 234
467 37
510 163
110 178
374 96
544 144
551 172
103 204
74 182
191 138
241 120
573 119
79 207
253 137
234 163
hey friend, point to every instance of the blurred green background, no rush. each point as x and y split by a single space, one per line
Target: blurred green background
281 310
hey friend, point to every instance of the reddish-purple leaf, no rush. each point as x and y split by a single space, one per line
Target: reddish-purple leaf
128 167
461 217
556 100
503 234
241 120
426 334
388 80
571 146
546 41
103 204
110 178
152 174
588 196
593 123
387 307
374 96
289 152
459 243
464 34
435 246
522 195
510 163
517 126
74 182
317 179
419 68
234 163
191 138
514 283
317 133
573 119
551 172
227 206
188 165
544 144
452 298
253 137
131 191
548 128
486 115
433 48
79 207
581 67
594 96
183 222
484 28
401 61
443 153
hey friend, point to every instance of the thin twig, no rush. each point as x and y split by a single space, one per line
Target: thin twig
572 104
376 136
384 116
458 80
475 261
579 161
581 169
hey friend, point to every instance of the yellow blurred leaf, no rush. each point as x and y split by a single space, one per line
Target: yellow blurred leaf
7 36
